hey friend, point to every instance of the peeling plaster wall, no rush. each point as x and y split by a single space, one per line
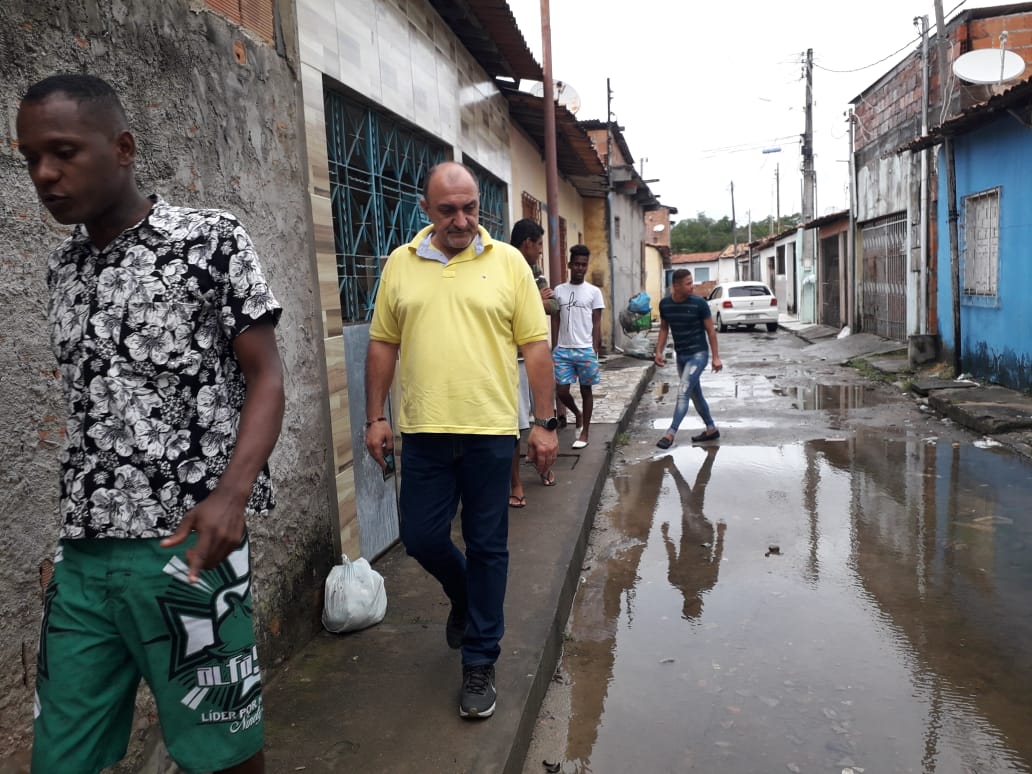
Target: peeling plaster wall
211 132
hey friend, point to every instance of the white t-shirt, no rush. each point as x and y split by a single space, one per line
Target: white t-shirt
576 304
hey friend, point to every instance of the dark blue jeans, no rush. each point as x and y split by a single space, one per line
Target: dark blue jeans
439 471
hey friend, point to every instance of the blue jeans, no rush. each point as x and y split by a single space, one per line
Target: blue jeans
690 368
438 471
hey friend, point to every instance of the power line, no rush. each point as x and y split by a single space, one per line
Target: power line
872 64
898 50
748 146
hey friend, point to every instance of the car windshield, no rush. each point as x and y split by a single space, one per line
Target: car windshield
749 290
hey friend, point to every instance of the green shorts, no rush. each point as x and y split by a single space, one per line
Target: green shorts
119 610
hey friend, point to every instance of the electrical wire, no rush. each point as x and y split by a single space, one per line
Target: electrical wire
897 51
749 146
872 64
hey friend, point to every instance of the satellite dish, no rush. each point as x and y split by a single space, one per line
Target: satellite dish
563 92
987 66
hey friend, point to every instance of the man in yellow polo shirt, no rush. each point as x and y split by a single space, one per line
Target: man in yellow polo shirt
457 304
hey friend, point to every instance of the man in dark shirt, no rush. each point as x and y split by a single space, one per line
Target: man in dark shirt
688 318
163 327
527 237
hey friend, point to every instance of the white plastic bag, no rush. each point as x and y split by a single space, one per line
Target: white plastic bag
355 597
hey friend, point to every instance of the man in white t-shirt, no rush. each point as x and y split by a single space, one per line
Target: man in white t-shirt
580 332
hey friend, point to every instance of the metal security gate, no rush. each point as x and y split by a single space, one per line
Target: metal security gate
377 167
830 304
883 286
494 201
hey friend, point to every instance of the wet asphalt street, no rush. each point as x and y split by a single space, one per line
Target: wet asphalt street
839 585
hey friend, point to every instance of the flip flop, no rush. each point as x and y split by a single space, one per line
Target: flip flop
578 444
548 479
517 502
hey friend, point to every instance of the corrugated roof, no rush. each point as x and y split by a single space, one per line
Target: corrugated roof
1015 97
488 30
733 250
825 220
677 258
575 155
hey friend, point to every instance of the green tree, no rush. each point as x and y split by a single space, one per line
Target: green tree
703 234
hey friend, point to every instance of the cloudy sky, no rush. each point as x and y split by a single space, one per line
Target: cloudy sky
702 89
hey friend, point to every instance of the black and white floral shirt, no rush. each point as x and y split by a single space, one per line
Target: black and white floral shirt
143 333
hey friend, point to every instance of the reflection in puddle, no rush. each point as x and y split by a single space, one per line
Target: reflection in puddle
833 397
890 631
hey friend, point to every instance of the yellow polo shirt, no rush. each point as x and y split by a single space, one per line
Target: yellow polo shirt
458 324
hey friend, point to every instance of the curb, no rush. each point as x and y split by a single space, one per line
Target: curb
553 644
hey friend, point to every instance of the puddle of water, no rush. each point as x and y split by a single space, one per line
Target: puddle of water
834 397
890 629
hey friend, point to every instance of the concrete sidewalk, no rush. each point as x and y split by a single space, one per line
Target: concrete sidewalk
386 699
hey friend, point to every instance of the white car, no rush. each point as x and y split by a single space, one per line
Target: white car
747 303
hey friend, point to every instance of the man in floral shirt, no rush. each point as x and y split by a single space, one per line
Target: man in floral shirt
163 327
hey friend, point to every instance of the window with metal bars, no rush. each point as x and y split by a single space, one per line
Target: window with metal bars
377 166
494 201
531 208
980 248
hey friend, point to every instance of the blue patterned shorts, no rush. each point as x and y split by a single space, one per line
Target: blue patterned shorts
576 366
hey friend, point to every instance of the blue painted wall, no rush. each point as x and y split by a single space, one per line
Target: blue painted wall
996 340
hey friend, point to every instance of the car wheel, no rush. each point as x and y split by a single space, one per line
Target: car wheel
771 327
720 324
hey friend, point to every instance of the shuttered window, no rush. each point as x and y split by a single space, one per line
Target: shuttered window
255 15
980 247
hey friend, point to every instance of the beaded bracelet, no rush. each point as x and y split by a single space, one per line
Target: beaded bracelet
370 422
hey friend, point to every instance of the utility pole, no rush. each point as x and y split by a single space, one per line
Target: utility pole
777 197
809 189
951 185
555 260
808 172
922 290
610 230
851 319
748 249
734 236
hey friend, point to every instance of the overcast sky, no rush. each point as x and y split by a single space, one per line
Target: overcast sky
702 89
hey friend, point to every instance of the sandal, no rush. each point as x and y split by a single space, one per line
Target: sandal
548 479
665 442
517 502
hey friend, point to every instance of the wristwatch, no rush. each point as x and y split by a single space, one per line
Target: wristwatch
549 424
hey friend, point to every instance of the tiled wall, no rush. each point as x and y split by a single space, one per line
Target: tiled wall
399 55
528 174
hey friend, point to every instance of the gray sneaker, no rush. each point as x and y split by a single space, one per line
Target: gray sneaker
478 691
